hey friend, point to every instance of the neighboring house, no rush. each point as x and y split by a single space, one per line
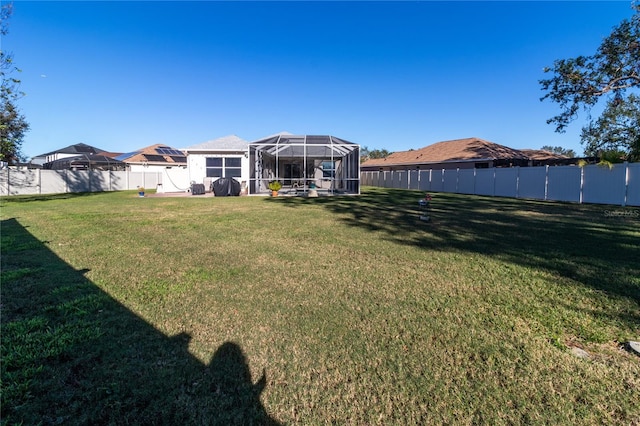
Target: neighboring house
154 158
541 157
454 154
70 151
227 157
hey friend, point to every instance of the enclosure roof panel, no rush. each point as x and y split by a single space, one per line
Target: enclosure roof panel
79 148
300 145
94 160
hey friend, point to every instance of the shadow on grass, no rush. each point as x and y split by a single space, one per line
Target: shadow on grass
580 242
73 354
47 197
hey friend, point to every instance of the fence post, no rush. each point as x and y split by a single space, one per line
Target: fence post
493 193
626 183
546 182
475 174
581 183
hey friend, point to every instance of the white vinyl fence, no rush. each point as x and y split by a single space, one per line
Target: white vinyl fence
590 184
39 181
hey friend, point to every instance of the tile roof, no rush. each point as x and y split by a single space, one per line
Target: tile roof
225 143
469 149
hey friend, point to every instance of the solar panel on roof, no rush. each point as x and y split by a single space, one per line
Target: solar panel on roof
163 150
179 159
123 157
156 158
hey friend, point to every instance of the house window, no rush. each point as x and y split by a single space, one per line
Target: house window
228 167
328 169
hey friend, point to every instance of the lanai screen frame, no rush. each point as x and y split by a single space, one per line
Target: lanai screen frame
267 158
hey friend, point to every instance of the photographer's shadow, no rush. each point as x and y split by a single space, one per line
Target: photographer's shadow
237 397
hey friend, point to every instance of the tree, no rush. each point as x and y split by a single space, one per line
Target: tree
379 153
364 154
560 150
367 154
616 131
612 73
13 125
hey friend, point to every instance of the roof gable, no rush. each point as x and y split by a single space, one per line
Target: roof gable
225 143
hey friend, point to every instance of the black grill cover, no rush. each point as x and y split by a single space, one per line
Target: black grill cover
223 187
197 189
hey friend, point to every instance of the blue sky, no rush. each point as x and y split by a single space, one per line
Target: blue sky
395 75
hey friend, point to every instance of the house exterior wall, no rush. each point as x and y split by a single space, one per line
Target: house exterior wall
150 168
174 179
197 165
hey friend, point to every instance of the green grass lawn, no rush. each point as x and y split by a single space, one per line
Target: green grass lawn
338 310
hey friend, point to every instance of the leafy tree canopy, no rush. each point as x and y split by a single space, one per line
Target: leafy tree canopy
367 154
13 125
612 73
616 130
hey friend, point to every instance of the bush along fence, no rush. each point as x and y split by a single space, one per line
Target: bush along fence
618 185
39 181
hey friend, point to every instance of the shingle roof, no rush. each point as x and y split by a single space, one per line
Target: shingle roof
541 154
468 149
225 143
155 154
